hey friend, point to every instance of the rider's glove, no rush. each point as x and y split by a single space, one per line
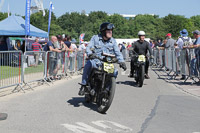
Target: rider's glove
122 65
92 56
151 57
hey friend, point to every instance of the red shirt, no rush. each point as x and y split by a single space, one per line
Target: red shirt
36 46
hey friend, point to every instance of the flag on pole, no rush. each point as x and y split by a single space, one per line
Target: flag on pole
49 22
27 17
81 38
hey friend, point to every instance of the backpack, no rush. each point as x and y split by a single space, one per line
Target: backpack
186 42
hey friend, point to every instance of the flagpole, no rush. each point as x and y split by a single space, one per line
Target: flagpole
49 21
27 21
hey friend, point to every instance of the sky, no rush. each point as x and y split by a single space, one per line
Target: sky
162 8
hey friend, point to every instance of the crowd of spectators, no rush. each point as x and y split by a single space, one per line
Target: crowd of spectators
64 50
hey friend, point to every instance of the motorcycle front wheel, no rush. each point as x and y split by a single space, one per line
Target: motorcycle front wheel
107 98
141 76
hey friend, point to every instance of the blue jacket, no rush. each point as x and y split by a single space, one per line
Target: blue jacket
110 46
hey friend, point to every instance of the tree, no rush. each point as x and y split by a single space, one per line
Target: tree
175 23
3 16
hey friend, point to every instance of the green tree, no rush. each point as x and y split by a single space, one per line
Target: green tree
175 23
3 16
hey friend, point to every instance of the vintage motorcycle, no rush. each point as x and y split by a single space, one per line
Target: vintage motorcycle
102 83
139 66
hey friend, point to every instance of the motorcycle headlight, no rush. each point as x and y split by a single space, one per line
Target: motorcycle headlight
108 59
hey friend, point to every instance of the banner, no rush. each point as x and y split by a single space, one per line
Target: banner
49 22
27 17
81 38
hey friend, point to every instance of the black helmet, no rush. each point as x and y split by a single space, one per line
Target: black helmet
106 26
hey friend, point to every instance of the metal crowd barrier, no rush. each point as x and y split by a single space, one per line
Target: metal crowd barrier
17 68
64 64
178 61
11 72
34 66
53 65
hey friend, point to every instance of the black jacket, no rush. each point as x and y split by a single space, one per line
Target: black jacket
141 48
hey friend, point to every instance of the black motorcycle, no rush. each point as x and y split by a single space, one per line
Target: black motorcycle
139 67
102 83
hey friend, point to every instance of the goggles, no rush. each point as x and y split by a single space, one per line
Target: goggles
110 26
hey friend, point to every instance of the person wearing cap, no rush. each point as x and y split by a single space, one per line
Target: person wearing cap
101 43
170 42
182 43
195 63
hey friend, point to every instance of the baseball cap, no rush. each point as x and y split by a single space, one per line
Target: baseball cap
169 34
196 32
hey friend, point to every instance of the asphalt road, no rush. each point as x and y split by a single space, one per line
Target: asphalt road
157 107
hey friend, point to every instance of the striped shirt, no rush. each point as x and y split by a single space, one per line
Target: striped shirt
36 46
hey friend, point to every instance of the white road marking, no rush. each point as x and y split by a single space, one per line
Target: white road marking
84 128
105 126
80 127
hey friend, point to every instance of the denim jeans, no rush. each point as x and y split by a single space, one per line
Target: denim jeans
92 64
72 63
193 67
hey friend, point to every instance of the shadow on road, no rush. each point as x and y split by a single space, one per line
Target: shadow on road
129 83
79 101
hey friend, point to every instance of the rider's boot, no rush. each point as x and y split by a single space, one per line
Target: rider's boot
82 90
146 76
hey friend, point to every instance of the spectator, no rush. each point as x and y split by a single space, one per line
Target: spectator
129 45
72 55
182 43
155 44
151 44
62 47
23 47
170 42
36 48
52 56
81 53
159 42
67 41
195 63
162 47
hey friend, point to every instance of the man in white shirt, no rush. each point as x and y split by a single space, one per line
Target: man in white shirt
183 42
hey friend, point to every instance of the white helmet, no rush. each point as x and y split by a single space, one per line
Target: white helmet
141 33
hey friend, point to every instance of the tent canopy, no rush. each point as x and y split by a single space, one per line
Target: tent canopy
15 26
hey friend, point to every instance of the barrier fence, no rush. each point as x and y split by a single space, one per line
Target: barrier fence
17 69
11 72
185 62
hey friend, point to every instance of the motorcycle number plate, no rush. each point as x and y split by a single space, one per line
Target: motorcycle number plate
141 58
109 68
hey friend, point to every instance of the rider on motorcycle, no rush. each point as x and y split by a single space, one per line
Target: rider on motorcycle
101 43
140 47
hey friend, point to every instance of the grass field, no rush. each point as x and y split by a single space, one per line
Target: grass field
7 71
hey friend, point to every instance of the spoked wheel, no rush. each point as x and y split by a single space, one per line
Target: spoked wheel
106 98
